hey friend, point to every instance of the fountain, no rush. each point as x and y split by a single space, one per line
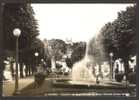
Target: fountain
82 70
82 73
83 80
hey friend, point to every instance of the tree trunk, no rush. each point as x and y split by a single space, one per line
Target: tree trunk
29 69
126 66
26 71
12 69
33 68
21 70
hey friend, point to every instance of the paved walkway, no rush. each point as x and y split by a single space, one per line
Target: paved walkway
8 86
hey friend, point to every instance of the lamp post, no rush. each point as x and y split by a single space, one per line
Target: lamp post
42 60
111 66
16 33
36 55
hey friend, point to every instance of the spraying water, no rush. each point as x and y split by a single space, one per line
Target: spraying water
82 70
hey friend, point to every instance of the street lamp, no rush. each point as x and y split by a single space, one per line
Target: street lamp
16 33
111 65
36 55
42 60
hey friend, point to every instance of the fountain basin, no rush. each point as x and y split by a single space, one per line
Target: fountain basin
91 88
90 84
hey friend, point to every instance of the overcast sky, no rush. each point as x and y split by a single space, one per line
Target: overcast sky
77 21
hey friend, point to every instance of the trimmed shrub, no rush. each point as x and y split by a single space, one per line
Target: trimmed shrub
132 77
39 78
119 77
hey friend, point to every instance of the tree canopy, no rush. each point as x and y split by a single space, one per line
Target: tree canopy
19 16
96 49
79 50
56 48
119 36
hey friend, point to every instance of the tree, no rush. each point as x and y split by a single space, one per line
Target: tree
126 36
30 59
19 16
120 37
107 37
56 48
125 32
96 49
79 50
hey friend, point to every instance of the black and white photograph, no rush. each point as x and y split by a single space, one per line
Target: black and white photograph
69 49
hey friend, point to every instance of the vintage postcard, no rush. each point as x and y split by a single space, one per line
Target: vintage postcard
69 49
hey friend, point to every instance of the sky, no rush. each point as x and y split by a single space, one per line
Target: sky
79 22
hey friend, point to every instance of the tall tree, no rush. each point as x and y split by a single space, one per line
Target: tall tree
79 50
56 50
126 35
120 36
19 16
30 59
96 49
